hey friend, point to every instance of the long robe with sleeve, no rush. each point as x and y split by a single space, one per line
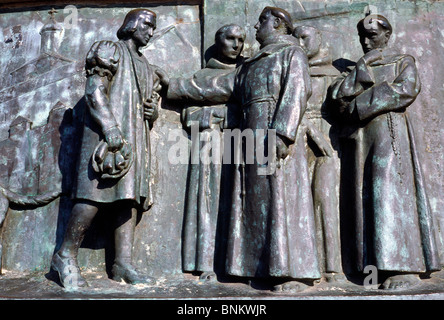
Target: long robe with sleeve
272 229
128 80
385 212
205 183
325 169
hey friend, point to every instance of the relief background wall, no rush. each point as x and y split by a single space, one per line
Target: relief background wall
41 108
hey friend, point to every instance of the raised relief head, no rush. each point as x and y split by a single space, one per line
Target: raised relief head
374 32
273 22
309 39
138 27
229 42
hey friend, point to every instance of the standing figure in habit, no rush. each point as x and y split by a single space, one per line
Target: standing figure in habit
323 153
114 161
272 228
209 179
387 217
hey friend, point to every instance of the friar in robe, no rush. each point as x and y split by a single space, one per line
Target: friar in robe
209 180
323 152
272 229
386 214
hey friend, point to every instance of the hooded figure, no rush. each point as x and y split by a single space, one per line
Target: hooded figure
272 229
385 211
323 154
210 181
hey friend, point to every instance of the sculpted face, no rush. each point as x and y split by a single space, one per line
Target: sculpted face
144 30
309 39
265 27
230 44
373 36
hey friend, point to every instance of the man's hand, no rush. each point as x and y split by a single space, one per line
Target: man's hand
319 139
164 80
322 144
372 56
113 138
150 107
282 148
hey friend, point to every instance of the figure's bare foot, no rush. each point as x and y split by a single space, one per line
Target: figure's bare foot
290 287
208 276
401 281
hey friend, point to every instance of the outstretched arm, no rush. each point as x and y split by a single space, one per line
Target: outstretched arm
210 89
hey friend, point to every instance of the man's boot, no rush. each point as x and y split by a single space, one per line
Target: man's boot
124 237
65 260
69 271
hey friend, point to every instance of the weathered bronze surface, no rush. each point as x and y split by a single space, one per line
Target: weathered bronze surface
114 159
323 153
209 182
390 220
271 218
278 152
